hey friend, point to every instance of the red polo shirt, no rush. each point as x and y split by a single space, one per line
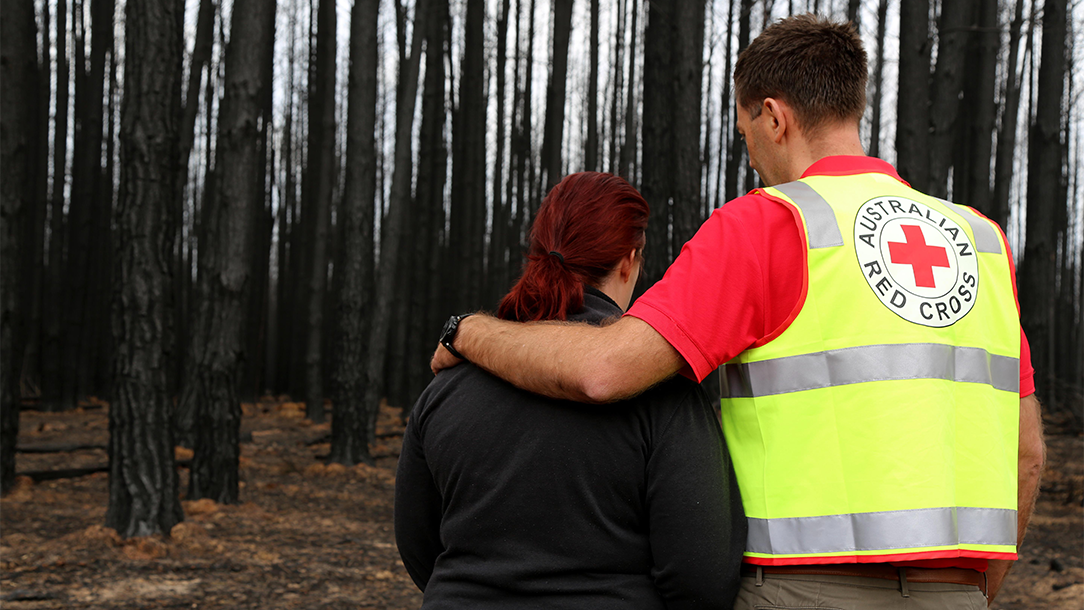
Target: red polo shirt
738 283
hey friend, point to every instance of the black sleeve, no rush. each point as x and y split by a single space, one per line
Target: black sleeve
697 524
417 508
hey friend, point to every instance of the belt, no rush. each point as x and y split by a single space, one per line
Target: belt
883 571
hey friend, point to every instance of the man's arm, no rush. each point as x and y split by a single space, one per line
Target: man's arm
1032 454
570 361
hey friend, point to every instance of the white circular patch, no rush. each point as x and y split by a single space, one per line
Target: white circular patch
920 263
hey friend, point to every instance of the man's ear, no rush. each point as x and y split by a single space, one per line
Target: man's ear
778 117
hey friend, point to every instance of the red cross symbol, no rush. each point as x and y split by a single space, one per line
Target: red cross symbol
921 257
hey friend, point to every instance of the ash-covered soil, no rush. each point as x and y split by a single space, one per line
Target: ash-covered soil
308 535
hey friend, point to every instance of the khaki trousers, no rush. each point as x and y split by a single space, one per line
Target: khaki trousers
802 592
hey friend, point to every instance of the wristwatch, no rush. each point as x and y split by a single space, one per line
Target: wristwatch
447 336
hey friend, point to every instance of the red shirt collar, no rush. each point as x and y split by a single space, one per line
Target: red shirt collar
849 165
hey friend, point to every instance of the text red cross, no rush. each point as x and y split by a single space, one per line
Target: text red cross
921 257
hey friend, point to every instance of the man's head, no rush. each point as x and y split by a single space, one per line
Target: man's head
816 66
801 92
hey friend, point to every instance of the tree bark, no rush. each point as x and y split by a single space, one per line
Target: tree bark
201 56
948 79
627 159
673 73
737 155
400 192
349 429
468 212
218 350
1006 135
555 96
878 81
426 283
53 373
499 256
912 110
973 153
590 161
321 169
18 70
142 478
1046 189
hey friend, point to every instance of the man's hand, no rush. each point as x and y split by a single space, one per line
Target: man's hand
442 359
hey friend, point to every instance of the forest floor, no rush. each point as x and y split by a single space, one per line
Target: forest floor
313 536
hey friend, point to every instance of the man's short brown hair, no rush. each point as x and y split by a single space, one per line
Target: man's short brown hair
816 66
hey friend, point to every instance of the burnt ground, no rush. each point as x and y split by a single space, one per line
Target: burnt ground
314 536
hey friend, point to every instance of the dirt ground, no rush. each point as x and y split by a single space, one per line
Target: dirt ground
313 536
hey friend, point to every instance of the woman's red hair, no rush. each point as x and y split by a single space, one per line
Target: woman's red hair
591 220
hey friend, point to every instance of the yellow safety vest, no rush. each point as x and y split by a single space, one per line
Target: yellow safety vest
882 423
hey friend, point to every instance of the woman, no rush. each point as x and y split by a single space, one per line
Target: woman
508 499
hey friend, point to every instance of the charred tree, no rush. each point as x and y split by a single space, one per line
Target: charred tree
400 194
627 158
736 157
590 162
878 81
912 110
217 353
468 212
1006 135
948 79
142 478
18 70
1046 192
673 72
321 167
53 372
349 422
553 130
498 257
973 154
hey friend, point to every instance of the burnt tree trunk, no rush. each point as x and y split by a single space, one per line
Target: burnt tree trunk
948 79
400 194
18 70
468 212
53 373
974 141
217 354
627 158
321 171
735 158
912 111
553 133
349 429
142 477
1006 135
590 162
878 81
1046 189
673 73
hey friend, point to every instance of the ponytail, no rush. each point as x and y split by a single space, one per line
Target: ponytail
586 224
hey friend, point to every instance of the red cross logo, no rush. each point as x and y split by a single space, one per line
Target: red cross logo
922 258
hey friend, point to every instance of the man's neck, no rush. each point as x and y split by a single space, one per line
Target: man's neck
828 142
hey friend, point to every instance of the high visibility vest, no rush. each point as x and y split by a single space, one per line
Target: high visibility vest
882 423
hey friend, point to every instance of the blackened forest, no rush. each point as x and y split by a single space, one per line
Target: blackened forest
206 202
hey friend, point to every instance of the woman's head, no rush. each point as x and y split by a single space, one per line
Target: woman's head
587 224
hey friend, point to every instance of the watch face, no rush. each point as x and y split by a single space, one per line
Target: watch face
449 329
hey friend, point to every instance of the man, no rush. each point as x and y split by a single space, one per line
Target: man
878 398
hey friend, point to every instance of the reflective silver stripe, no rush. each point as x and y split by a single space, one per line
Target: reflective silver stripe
870 363
820 220
986 239
882 531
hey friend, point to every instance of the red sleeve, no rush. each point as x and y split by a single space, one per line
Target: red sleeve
736 281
